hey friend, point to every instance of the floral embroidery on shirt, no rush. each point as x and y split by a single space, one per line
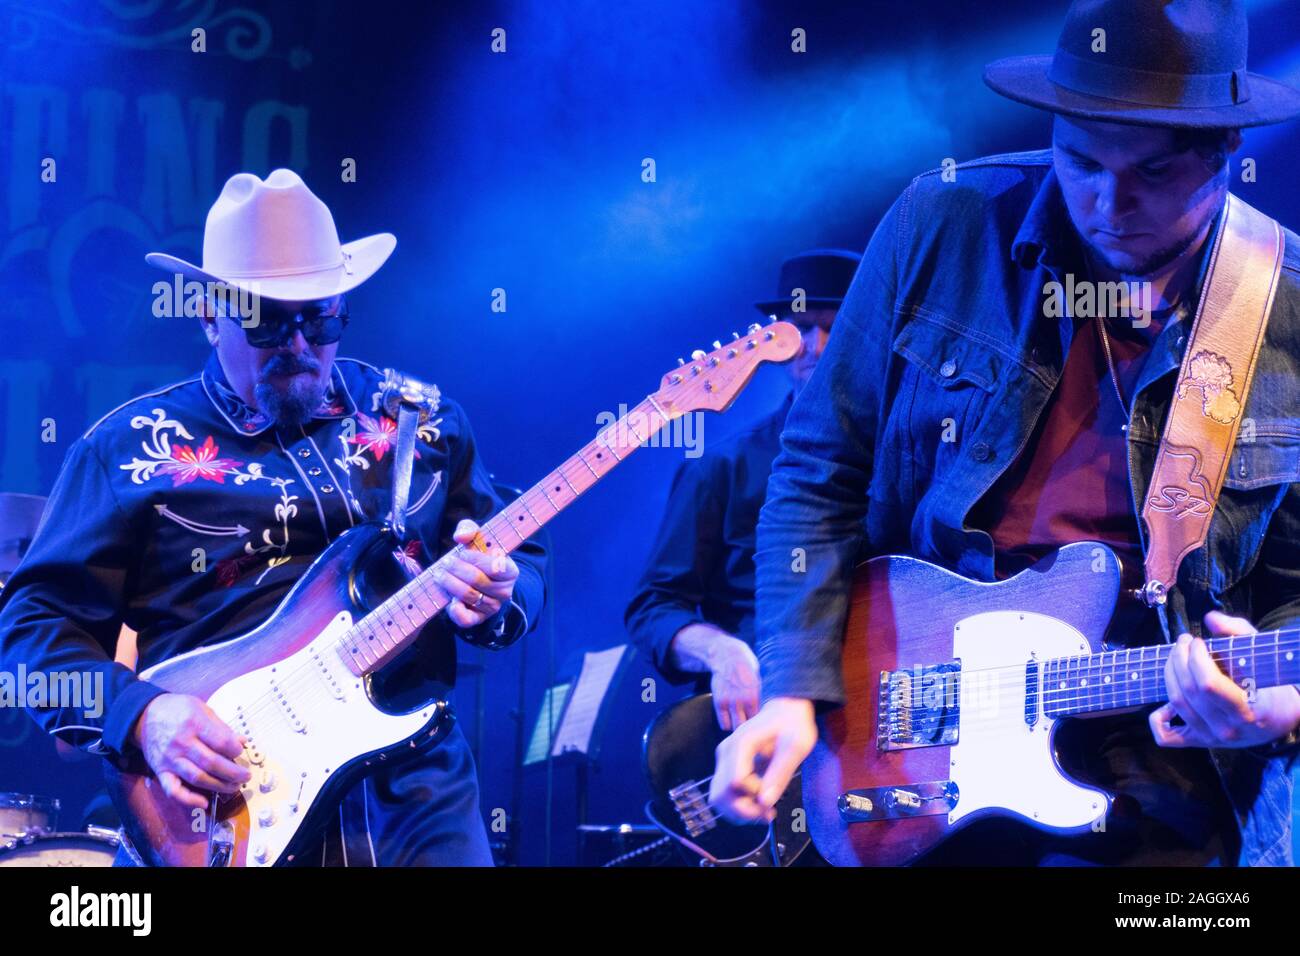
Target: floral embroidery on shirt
375 436
408 556
189 464
378 436
185 464
182 462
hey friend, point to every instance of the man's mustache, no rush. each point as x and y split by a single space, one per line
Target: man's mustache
288 364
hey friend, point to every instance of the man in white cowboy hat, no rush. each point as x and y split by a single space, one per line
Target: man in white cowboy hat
958 416
188 513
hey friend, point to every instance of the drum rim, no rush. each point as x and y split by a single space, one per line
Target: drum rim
30 840
13 800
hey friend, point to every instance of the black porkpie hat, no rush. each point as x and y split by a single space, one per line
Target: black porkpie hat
1172 63
824 276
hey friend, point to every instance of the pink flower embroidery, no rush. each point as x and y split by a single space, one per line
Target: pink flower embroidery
231 569
408 557
376 435
188 464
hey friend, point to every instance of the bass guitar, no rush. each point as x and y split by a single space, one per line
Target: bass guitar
678 756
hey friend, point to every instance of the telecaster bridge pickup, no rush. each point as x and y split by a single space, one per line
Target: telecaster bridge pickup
920 707
894 803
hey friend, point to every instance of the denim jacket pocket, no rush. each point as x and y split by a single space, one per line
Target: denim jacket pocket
1266 454
1259 470
947 384
951 357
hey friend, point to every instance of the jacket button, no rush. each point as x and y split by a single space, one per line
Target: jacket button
1038 355
313 472
327 488
304 453
981 451
948 369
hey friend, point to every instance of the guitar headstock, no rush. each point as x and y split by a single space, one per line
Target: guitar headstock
712 380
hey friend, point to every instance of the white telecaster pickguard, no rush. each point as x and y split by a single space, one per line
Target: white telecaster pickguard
999 759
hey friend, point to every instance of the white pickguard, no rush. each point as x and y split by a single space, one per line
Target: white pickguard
999 759
312 715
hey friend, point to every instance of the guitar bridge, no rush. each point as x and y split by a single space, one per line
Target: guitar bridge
920 707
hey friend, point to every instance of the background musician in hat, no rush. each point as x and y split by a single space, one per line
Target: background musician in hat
693 613
188 513
955 418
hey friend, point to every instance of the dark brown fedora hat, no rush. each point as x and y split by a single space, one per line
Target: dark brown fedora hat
1175 63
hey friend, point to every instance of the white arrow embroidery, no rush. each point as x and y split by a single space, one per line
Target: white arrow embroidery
213 529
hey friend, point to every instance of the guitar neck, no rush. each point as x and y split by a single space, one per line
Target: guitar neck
1115 680
375 639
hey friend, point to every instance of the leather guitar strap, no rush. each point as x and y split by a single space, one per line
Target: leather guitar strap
1213 382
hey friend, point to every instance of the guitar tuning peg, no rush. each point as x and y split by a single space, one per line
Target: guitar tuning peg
697 355
681 361
717 344
753 328
735 336
771 320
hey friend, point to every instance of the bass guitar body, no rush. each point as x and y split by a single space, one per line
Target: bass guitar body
678 755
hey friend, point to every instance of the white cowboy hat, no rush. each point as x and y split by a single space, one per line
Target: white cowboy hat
274 238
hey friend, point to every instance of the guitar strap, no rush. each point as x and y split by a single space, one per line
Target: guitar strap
1210 395
412 403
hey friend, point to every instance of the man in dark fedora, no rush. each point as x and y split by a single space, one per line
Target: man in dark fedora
693 613
956 416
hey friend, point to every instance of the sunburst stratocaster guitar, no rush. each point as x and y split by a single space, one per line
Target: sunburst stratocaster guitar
956 691
298 688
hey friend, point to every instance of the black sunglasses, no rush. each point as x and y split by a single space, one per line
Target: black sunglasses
275 326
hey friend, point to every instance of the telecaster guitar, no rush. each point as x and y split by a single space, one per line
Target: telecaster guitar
956 691
299 688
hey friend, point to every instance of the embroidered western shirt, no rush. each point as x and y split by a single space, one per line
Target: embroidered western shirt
187 515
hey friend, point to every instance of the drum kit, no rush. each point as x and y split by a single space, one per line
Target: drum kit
29 836
29 833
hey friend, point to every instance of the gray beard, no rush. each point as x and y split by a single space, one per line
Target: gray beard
295 404
291 407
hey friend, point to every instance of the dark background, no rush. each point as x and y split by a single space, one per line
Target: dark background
519 171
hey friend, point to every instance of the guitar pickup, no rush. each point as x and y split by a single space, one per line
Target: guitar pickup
895 803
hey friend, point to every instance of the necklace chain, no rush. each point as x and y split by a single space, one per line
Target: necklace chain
1110 365
1100 322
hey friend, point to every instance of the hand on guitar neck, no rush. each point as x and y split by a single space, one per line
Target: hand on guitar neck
756 763
1215 712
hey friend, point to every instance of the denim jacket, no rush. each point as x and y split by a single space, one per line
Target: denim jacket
944 326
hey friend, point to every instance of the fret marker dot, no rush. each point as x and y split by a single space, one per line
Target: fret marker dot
1084 682
1133 676
1241 662
1062 685
1106 679
1289 655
